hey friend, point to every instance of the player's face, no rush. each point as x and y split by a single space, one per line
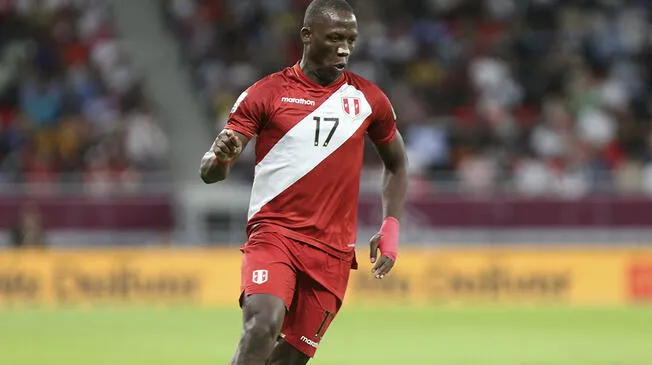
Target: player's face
329 43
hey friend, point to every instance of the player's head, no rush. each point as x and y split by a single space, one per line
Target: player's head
329 33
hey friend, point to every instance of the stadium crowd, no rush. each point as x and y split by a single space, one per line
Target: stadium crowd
72 107
537 96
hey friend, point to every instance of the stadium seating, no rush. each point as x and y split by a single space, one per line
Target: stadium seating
537 97
79 144
72 109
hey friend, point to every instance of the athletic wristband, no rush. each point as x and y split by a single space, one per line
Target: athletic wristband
389 232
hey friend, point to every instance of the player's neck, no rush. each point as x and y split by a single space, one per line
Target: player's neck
310 71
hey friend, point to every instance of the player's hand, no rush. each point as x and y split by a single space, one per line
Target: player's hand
227 146
383 265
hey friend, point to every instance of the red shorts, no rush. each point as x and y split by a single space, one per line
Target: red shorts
311 282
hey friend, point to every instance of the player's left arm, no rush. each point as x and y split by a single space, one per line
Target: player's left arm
390 147
395 182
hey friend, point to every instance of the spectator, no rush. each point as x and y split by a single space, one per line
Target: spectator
41 99
28 231
146 143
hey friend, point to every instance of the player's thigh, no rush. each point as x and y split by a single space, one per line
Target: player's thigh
263 312
311 313
267 269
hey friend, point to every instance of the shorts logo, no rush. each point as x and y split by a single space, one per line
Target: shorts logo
309 341
260 276
351 106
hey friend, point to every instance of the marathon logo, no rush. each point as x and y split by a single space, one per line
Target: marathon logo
309 341
285 99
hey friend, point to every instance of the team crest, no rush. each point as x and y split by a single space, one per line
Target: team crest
260 276
351 106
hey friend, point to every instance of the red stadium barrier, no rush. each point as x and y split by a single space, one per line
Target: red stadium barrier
90 213
510 212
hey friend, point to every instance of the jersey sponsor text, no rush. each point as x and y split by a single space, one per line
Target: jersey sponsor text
285 99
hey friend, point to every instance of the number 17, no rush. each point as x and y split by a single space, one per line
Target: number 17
330 134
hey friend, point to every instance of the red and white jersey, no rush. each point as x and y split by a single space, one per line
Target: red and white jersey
309 150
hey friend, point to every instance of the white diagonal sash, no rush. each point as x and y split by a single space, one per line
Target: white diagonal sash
296 154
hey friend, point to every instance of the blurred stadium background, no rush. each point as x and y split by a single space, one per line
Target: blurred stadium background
528 233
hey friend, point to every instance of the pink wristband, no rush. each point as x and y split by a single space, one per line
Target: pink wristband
389 232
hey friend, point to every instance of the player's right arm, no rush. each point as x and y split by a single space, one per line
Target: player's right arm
216 163
247 116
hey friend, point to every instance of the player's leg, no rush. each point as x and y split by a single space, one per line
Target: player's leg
286 354
263 316
311 313
268 284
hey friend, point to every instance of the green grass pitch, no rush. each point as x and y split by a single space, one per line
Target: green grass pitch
437 336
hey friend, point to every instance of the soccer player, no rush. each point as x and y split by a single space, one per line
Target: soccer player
310 121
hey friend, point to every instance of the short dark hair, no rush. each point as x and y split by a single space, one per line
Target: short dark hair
318 8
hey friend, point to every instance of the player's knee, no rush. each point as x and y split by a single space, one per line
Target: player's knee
286 354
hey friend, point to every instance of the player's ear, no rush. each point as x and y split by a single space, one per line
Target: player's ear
306 33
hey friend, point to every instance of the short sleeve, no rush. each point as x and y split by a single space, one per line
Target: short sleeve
248 113
383 125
